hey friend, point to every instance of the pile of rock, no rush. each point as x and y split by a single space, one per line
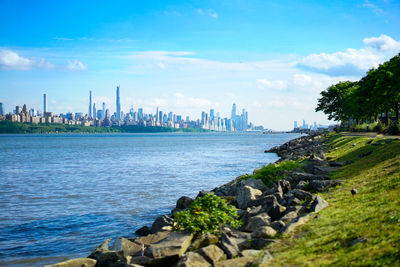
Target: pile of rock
264 212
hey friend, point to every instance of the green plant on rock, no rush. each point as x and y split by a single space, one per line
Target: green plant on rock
206 215
273 172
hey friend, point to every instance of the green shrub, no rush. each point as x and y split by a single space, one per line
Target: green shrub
273 172
206 215
394 128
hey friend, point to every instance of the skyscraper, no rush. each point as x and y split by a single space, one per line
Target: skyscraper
212 114
94 111
233 116
1 109
90 104
44 103
103 113
118 105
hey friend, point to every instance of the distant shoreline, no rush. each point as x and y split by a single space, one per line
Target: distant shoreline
8 127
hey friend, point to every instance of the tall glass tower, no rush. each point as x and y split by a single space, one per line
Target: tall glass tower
118 105
90 104
1 109
44 103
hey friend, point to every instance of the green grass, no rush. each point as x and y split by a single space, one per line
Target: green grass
374 213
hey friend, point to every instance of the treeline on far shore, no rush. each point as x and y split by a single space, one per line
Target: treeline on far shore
26 127
370 104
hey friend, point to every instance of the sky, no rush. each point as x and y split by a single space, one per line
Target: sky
272 58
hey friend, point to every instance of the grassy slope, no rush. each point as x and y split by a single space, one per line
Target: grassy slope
374 213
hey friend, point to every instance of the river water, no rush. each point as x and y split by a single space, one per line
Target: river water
62 195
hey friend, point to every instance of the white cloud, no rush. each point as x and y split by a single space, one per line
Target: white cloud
353 62
183 101
377 10
76 65
383 43
62 39
209 12
11 60
275 85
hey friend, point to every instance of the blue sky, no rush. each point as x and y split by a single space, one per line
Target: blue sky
271 57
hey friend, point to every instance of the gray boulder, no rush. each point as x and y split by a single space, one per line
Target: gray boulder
151 239
264 232
80 262
184 202
277 225
254 183
318 204
204 241
245 194
192 259
322 185
228 245
127 247
175 244
299 221
160 222
273 208
262 219
212 254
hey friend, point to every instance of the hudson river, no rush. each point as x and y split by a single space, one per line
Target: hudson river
62 195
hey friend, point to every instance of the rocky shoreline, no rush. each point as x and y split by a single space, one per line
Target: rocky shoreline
265 213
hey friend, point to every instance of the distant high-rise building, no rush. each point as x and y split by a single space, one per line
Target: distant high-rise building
140 113
100 114
295 125
94 111
233 115
1 109
211 114
44 103
103 113
90 104
157 115
118 105
18 109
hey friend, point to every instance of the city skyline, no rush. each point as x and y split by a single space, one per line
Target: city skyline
105 117
273 57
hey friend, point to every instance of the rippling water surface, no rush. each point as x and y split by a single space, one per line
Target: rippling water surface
62 195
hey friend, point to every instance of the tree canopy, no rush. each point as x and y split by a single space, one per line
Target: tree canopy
376 93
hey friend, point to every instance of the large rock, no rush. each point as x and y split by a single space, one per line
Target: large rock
160 222
262 219
322 185
301 194
228 245
138 260
175 244
245 194
104 247
243 261
254 183
265 232
192 259
80 262
277 225
184 202
299 221
151 239
318 204
212 253
111 259
145 230
273 208
288 217
204 241
127 247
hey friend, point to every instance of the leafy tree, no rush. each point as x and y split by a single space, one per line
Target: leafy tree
332 100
